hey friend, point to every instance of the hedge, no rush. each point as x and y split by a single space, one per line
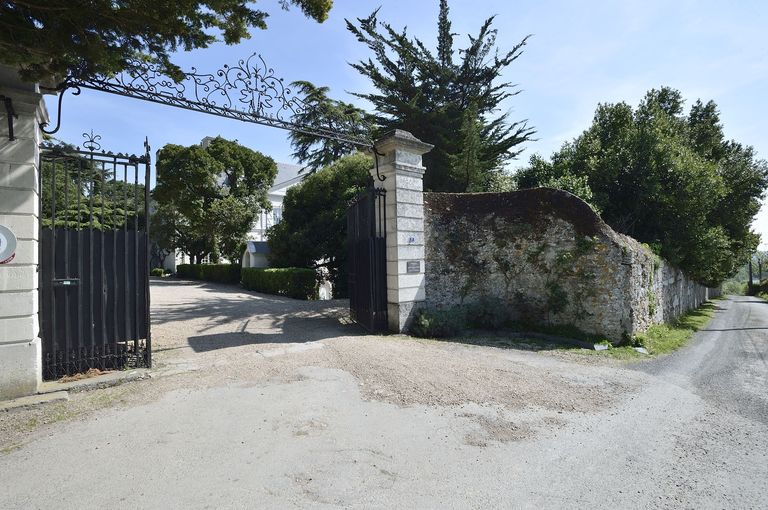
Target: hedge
219 273
293 282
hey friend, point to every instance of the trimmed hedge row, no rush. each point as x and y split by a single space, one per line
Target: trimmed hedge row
218 273
293 282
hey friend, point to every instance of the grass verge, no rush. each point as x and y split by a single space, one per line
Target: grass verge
665 338
658 339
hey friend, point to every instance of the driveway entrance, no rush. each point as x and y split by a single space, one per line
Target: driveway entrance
199 323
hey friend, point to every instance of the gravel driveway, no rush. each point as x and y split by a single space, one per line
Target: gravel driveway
266 402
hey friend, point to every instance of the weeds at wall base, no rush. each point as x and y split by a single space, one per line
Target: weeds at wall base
657 340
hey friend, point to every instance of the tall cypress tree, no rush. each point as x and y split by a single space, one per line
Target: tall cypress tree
429 95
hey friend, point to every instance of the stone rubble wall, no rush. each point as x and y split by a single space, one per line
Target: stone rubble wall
548 258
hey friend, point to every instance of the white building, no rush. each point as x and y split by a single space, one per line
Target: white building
256 252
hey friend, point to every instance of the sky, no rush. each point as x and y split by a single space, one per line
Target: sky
580 54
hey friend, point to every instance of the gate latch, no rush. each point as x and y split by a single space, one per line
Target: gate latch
66 282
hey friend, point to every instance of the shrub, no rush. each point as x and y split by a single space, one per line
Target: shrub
488 313
735 287
218 273
292 282
431 323
158 271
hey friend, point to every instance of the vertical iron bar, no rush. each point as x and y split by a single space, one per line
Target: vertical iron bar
114 260
105 346
71 358
126 290
79 267
94 351
147 163
135 286
54 350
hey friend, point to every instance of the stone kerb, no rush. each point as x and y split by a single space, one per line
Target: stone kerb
20 349
400 163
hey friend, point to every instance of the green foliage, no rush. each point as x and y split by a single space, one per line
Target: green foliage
207 198
87 196
313 231
218 273
487 313
653 302
292 282
557 298
324 113
541 173
665 338
450 102
432 323
667 179
56 37
734 287
158 271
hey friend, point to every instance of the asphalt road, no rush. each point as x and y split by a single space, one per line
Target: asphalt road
339 421
727 366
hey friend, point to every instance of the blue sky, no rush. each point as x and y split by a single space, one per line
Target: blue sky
581 53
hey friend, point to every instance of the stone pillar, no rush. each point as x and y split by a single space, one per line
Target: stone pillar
20 351
400 163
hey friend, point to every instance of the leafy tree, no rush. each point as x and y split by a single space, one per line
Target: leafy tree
430 94
667 179
54 37
207 198
323 113
313 231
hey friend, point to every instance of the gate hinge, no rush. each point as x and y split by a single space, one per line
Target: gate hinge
11 115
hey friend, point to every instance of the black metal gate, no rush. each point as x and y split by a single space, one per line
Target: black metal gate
94 260
367 238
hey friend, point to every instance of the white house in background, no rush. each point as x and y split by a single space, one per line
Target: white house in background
256 251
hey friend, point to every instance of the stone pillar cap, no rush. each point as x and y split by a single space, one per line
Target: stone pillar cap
401 138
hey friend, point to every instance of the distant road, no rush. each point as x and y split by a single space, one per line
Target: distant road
727 365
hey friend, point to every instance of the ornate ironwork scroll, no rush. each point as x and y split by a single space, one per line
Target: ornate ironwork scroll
248 91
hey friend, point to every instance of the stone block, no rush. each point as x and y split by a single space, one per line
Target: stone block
16 277
24 226
405 294
19 151
14 304
18 201
26 253
24 127
405 238
20 368
18 329
395 253
18 175
404 281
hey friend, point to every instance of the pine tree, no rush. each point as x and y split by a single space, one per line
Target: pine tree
429 94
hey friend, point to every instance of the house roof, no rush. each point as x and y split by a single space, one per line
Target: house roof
287 175
258 247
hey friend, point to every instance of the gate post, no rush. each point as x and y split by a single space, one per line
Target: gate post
20 351
399 163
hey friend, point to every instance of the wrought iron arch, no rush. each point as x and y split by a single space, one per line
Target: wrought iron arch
248 91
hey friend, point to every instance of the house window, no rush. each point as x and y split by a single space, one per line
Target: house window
277 215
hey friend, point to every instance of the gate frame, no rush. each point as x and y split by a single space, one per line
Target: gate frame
366 261
140 357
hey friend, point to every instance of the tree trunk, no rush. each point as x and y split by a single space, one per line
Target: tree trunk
749 285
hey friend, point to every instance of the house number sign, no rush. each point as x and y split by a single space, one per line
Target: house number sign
7 245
